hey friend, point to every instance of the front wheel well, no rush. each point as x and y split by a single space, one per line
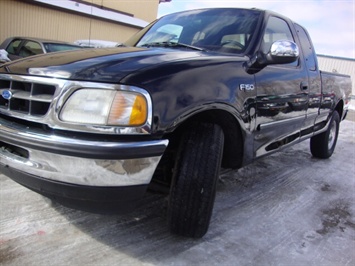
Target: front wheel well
233 144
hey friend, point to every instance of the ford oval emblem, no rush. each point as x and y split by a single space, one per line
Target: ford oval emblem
6 94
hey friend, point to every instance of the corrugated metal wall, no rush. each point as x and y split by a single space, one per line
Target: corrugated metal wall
143 9
339 65
23 19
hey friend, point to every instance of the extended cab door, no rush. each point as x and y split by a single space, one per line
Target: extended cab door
282 97
314 82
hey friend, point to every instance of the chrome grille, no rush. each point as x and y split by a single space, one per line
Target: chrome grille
28 98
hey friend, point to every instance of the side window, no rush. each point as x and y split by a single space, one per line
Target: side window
307 48
13 46
30 48
276 29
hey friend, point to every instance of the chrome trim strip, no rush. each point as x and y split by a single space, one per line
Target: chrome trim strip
284 122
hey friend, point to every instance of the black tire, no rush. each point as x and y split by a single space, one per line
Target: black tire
323 145
194 180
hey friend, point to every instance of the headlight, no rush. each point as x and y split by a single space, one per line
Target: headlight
105 107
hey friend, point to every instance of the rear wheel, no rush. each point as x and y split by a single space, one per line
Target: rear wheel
323 145
194 180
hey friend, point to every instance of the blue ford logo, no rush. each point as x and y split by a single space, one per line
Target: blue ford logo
6 94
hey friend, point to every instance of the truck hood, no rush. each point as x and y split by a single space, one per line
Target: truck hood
104 64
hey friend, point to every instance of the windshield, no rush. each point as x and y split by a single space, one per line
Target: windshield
224 30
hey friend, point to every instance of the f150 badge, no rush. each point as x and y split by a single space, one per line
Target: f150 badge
246 87
6 94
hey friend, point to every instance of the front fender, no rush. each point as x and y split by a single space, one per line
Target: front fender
182 89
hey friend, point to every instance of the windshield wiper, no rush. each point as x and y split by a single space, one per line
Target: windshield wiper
172 45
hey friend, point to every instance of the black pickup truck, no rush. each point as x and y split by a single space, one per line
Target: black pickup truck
191 93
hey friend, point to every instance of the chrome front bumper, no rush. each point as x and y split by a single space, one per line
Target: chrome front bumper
78 161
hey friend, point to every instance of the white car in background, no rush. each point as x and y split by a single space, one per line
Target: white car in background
97 43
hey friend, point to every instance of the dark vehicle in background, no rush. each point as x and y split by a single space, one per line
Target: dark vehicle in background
19 47
191 93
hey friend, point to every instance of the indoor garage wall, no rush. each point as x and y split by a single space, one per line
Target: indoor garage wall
18 18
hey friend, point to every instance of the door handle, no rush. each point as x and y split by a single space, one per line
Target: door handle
304 85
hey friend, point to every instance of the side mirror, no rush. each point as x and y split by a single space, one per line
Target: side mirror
282 52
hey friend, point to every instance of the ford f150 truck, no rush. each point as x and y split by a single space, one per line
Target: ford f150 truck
191 93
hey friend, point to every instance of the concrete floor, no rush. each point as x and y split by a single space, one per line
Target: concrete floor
284 209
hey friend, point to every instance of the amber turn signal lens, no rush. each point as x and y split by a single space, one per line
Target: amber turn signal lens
128 109
139 111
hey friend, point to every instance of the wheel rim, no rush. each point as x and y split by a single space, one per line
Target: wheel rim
332 135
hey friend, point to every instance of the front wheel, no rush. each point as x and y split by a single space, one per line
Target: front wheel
323 145
194 180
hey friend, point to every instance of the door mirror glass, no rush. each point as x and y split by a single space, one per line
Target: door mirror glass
282 52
